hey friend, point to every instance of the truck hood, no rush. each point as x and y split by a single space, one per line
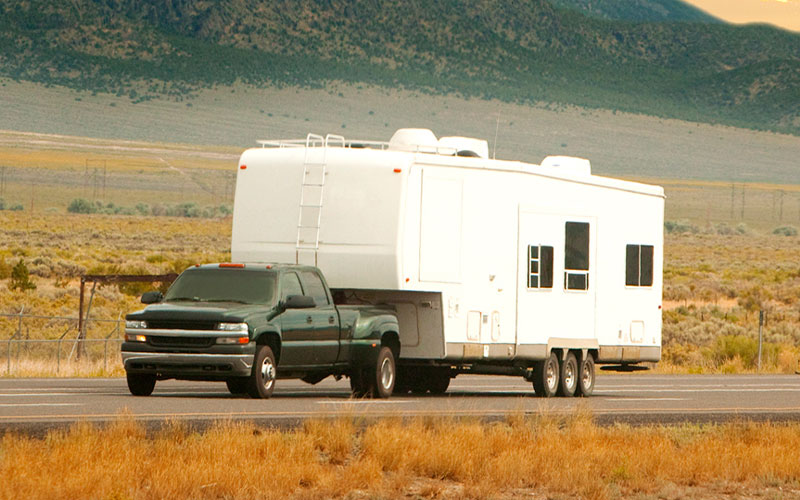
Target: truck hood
201 311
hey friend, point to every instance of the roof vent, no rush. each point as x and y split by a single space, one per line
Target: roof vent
579 166
414 139
466 146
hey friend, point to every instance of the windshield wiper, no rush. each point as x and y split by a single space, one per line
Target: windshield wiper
183 299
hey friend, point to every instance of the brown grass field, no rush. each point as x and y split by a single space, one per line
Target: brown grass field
438 458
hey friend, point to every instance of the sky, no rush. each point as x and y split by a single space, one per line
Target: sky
782 13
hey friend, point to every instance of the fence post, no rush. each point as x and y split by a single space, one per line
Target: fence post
760 330
17 334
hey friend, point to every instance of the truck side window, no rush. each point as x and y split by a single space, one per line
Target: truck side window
290 285
576 256
315 288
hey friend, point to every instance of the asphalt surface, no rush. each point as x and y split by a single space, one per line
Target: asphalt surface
36 405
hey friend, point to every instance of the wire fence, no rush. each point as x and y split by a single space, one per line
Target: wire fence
57 341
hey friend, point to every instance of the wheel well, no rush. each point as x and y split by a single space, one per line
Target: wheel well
392 341
273 341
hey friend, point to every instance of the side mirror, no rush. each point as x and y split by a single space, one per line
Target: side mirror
299 302
152 297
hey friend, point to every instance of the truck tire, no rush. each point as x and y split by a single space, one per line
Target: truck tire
237 385
141 384
545 376
381 377
357 385
586 377
262 381
568 376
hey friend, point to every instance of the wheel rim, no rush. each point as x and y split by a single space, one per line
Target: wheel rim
267 373
569 375
586 377
551 375
387 373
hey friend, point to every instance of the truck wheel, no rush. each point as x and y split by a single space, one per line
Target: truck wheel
237 385
357 385
141 384
262 381
568 380
545 377
382 376
586 377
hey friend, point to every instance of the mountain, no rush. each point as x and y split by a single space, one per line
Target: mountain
523 51
639 10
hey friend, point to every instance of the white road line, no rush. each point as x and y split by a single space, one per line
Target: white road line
359 401
14 405
626 400
40 394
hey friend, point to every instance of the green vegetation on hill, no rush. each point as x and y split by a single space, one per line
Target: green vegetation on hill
527 51
639 10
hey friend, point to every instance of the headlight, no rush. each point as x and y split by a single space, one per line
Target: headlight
135 325
232 327
135 338
233 340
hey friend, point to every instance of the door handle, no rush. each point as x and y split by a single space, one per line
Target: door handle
309 320
331 320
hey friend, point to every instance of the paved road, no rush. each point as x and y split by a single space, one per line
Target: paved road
33 405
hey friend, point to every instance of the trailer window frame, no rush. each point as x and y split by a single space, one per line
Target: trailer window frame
577 253
639 263
540 267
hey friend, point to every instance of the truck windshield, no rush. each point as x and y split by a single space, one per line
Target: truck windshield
223 285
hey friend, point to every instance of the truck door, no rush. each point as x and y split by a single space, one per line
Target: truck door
297 327
325 319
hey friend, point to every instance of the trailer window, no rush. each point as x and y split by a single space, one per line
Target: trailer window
540 266
576 256
639 265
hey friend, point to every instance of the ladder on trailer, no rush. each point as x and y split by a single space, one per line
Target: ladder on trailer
312 190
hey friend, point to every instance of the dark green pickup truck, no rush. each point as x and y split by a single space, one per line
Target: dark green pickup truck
250 324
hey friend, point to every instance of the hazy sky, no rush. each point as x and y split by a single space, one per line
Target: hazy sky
783 13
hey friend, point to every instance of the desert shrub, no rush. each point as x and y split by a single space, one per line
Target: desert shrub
2 204
5 268
785 231
142 209
16 208
81 206
729 348
184 210
680 227
21 278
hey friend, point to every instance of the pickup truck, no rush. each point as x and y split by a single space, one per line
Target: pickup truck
250 324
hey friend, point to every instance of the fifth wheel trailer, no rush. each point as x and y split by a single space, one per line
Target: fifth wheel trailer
493 266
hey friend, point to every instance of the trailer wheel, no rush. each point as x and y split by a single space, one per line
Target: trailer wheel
262 381
141 384
545 377
402 385
237 385
568 381
586 376
382 376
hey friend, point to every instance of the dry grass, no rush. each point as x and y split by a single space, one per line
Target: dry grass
47 366
523 457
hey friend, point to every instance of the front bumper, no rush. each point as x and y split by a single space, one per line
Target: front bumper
199 366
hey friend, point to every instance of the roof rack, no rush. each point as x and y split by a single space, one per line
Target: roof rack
317 141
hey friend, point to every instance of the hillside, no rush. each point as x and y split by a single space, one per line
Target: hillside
639 10
525 52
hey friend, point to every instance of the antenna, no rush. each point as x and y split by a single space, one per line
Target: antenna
496 127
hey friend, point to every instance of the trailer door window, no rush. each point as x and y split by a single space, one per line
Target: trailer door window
540 266
639 265
576 256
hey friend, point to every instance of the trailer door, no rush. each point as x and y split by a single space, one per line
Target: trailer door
555 277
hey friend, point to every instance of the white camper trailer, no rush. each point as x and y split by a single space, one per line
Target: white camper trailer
493 266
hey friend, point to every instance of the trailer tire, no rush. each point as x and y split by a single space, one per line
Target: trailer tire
568 376
141 384
262 381
402 385
586 376
381 377
545 376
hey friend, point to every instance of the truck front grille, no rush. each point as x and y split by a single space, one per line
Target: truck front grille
179 324
164 341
